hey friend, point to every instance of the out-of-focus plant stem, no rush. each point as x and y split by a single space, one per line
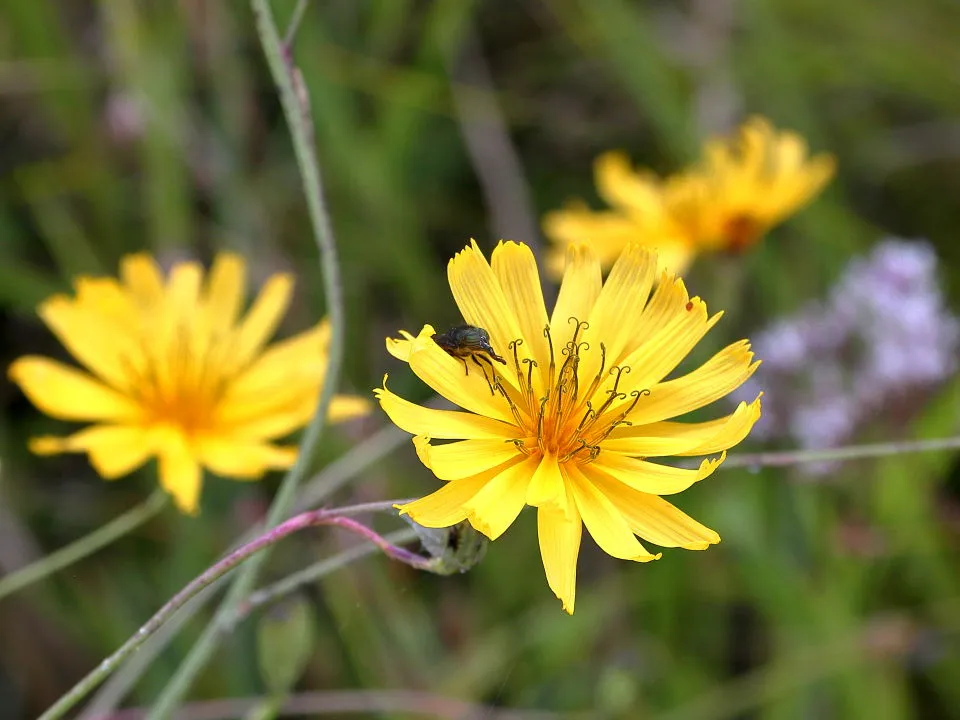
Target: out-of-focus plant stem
850 452
87 545
296 110
229 562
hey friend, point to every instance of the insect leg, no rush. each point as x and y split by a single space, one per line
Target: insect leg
483 369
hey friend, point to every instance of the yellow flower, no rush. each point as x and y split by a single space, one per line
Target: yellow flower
732 198
744 187
567 423
174 372
638 215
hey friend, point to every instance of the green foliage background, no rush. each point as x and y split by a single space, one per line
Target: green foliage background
129 125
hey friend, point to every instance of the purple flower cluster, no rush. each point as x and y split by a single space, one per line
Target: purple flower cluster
873 350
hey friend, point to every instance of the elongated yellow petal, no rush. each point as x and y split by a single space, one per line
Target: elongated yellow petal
100 343
656 520
463 386
604 521
141 275
180 472
666 348
456 460
242 458
295 360
559 535
113 450
68 394
578 291
440 424
494 508
225 290
262 320
481 301
719 376
446 506
621 186
348 407
678 438
649 477
616 314
400 348
516 270
547 486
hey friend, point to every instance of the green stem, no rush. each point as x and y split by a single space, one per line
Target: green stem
316 518
295 20
850 452
87 545
312 573
296 110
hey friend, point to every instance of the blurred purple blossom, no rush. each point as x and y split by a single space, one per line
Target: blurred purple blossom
873 350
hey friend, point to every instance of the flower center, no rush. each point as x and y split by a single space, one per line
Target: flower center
741 231
572 417
178 381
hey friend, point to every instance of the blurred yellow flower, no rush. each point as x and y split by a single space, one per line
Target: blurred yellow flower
567 423
174 372
732 198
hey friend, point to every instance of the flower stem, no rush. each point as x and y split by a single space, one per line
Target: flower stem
850 452
305 520
87 545
311 573
293 98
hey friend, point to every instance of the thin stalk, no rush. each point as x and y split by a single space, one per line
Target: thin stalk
295 20
311 573
296 110
850 452
87 545
212 574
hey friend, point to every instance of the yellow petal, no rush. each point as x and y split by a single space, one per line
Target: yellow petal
456 460
105 347
225 290
180 472
113 450
578 292
606 232
440 424
678 438
559 535
242 458
604 521
616 313
400 348
656 520
719 376
481 301
142 276
262 320
621 186
665 348
649 477
547 486
348 407
515 268
446 506
68 394
494 508
462 386
299 360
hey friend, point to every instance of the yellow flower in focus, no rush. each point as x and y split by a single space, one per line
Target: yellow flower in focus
567 424
173 371
732 198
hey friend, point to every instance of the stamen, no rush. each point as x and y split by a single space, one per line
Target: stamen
513 406
519 444
597 380
546 334
514 345
531 364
